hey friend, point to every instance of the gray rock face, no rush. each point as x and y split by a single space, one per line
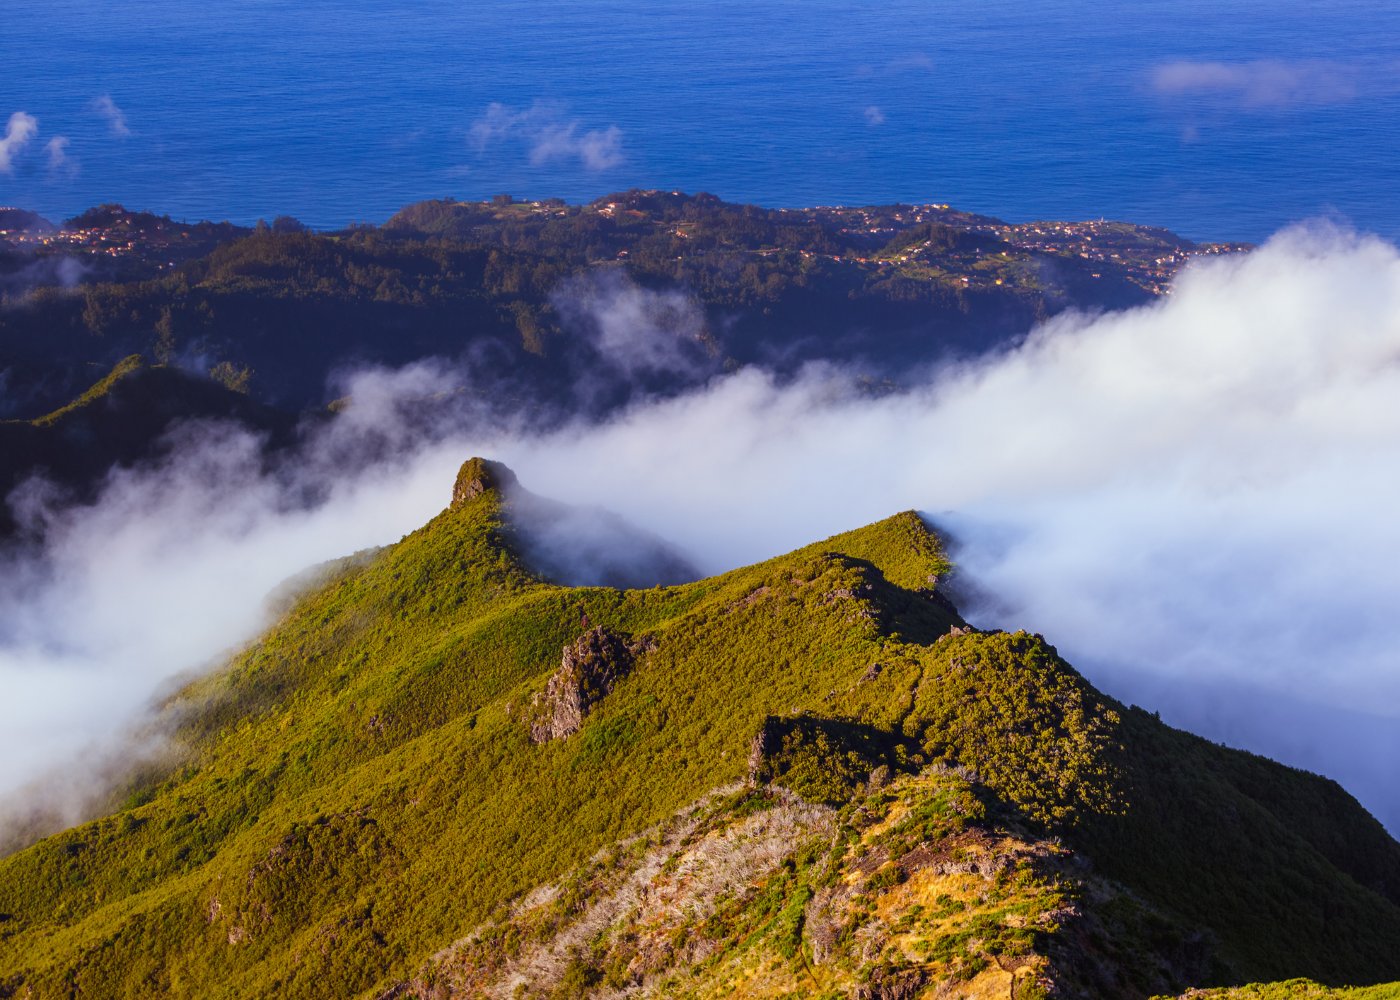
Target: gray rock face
591 666
478 475
890 985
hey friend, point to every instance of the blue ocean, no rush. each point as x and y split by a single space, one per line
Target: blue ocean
1218 120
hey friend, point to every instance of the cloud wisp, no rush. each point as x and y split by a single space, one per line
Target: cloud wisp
1258 84
47 271
61 162
911 62
549 134
20 131
1193 499
115 117
634 330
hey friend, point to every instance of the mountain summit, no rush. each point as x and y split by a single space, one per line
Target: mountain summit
442 774
477 476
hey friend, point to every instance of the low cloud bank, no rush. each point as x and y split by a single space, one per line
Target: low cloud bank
172 569
1194 500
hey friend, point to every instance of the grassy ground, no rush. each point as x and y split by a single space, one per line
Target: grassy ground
361 789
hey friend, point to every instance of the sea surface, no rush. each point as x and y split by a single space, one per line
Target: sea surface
1219 120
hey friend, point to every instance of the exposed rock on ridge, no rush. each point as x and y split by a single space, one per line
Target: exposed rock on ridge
592 665
574 545
477 476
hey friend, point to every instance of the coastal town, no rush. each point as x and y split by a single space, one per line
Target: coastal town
961 249
992 253
1148 256
111 242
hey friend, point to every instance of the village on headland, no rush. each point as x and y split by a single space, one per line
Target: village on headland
111 242
1149 257
928 242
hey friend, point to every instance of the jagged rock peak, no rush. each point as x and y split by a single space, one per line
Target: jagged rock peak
478 475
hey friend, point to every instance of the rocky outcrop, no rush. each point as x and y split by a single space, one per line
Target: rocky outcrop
888 984
477 476
591 666
764 745
572 545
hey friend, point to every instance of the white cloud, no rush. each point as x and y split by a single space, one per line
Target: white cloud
633 329
115 116
1264 83
549 134
19 132
600 149
874 116
117 607
497 122
1189 498
59 160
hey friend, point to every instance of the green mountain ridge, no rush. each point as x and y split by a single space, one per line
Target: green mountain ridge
442 775
882 288
121 420
507 300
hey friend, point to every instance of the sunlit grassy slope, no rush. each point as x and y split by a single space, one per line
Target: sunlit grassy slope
362 791
1299 989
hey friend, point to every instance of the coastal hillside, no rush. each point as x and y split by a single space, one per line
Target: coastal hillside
519 294
531 314
444 774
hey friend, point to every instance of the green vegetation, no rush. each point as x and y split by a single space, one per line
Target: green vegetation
1299 989
120 420
745 890
99 391
361 791
821 760
450 279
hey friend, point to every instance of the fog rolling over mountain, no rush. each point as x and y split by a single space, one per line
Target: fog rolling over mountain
1188 497
439 775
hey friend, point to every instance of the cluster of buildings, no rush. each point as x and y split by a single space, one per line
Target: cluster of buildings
1147 256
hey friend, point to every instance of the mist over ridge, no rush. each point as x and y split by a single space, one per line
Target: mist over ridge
1187 497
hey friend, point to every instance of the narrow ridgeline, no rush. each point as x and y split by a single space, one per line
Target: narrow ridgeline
444 775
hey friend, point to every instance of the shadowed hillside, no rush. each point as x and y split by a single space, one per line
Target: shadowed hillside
517 292
121 420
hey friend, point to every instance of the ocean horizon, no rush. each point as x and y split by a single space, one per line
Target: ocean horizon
1216 123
